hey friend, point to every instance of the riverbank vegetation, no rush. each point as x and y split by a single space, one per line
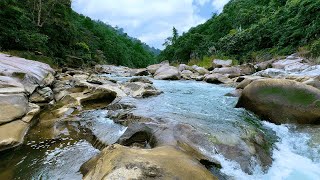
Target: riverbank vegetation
252 30
53 31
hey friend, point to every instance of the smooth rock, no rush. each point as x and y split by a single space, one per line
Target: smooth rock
167 73
231 71
140 89
153 68
12 134
12 107
282 101
119 162
218 63
217 79
183 67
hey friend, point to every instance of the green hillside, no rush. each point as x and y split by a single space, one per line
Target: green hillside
61 36
252 30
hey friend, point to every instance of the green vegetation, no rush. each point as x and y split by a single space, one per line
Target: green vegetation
52 31
252 30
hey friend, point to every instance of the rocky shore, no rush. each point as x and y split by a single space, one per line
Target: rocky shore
35 98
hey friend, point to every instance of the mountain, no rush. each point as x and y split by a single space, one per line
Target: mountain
252 30
53 29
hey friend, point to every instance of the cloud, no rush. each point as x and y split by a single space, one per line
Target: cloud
149 20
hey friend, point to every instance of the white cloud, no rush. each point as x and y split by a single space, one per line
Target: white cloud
219 4
149 20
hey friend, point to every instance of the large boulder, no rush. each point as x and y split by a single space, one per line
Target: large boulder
183 67
201 70
166 72
30 73
153 68
231 71
282 101
218 63
12 107
167 162
140 89
217 79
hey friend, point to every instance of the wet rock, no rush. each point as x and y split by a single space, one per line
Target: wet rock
119 162
140 90
12 107
33 110
42 95
282 101
218 63
12 134
234 93
167 73
141 79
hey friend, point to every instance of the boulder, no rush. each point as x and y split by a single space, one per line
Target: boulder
167 162
281 64
12 107
231 71
218 63
141 79
315 82
282 101
183 67
247 80
186 74
263 65
247 69
201 70
153 68
12 134
271 73
140 89
30 73
141 72
166 72
42 95
217 79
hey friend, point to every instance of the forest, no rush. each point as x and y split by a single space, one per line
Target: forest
251 31
52 32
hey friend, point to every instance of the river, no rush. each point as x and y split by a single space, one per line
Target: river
296 153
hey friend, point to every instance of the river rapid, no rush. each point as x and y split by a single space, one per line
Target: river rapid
296 151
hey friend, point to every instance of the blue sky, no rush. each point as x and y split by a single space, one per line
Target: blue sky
151 21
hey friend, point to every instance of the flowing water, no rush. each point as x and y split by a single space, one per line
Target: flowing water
296 154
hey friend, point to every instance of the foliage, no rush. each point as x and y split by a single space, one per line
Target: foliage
59 33
250 30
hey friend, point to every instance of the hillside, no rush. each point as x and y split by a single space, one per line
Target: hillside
60 36
252 30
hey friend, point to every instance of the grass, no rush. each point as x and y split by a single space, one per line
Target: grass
206 61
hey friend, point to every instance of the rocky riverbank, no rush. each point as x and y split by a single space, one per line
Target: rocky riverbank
34 95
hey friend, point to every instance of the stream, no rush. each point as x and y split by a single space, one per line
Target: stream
296 153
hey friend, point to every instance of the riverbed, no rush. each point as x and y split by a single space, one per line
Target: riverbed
295 152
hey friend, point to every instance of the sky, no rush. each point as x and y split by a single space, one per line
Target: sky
151 21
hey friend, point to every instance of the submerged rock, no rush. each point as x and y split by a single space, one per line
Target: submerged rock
282 101
167 162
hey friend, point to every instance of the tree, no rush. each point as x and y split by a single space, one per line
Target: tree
172 40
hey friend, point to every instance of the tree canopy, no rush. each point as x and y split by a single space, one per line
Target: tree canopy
54 29
251 29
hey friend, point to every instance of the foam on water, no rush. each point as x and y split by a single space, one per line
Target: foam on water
293 158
